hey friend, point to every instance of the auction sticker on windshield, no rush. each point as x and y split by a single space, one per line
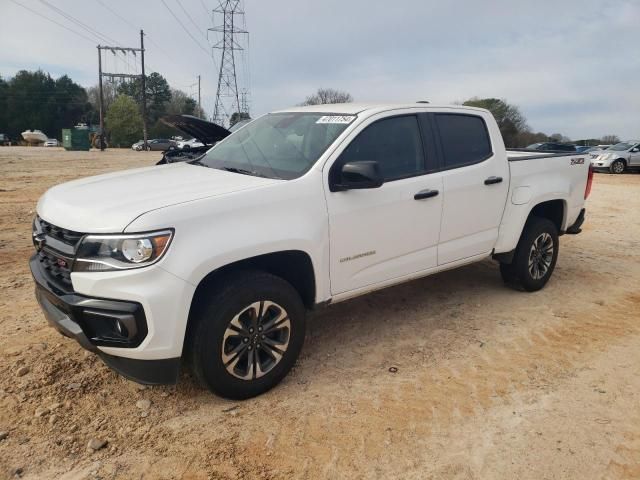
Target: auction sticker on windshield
336 119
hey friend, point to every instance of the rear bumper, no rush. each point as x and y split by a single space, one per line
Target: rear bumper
95 322
575 228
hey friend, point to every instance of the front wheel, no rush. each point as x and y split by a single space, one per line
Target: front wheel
247 335
617 167
535 256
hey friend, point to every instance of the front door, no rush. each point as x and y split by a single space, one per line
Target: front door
385 233
634 157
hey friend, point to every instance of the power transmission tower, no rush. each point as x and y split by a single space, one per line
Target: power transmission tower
244 103
227 94
113 76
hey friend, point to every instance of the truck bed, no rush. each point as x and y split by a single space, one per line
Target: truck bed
518 154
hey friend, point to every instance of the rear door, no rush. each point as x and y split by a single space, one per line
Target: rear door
386 233
475 182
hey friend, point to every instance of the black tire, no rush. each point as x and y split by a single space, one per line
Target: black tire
533 276
617 167
233 301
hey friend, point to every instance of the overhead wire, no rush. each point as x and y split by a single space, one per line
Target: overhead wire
205 7
185 28
53 21
92 31
162 50
191 20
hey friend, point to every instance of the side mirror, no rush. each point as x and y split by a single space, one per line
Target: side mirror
357 175
635 150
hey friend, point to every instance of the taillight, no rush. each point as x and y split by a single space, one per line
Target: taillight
587 189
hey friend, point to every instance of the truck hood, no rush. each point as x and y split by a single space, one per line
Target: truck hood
108 203
206 132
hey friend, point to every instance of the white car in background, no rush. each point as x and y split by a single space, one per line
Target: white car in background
189 144
618 158
51 142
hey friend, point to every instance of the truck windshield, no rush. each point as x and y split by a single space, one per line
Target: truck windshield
621 146
278 145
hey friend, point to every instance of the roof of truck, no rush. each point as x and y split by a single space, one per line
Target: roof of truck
355 108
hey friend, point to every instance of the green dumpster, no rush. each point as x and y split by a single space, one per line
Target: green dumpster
75 139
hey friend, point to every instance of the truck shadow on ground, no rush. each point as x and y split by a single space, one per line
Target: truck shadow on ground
374 329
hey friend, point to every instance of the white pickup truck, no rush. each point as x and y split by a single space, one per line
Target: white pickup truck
216 261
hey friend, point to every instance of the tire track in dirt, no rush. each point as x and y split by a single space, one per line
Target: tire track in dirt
423 406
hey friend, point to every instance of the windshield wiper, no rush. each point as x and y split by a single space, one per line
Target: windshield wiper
243 171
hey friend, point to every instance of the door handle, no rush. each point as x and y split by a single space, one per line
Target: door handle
492 180
425 194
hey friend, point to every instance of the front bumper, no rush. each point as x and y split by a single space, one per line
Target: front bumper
598 164
96 322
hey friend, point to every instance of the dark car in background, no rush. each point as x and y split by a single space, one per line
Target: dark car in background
551 147
161 144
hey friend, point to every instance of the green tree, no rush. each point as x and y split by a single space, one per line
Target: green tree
180 104
34 100
123 121
158 95
510 120
237 117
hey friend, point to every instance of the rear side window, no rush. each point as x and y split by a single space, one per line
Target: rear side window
394 143
464 139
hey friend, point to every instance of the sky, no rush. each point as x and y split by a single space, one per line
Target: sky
571 66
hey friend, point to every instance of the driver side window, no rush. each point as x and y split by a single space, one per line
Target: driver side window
394 143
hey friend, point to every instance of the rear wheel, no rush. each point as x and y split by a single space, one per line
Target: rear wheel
617 167
247 335
535 256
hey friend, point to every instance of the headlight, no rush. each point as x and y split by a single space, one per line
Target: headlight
102 253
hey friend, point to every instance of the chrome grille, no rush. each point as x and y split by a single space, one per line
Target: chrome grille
68 237
55 250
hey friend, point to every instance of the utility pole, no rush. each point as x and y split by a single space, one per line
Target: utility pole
101 99
227 81
199 105
144 93
102 74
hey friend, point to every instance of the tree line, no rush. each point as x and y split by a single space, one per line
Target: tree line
34 100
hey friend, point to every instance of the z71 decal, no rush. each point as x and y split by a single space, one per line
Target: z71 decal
577 161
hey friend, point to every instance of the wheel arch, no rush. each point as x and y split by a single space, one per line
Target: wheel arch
554 210
294 266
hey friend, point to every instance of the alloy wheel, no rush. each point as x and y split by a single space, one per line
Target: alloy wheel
255 340
618 167
540 256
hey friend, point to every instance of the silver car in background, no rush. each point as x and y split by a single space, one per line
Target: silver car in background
618 158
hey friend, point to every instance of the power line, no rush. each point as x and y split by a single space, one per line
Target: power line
101 37
185 29
191 19
53 21
93 31
208 12
135 28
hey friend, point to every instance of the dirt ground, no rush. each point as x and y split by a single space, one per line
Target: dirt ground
490 383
